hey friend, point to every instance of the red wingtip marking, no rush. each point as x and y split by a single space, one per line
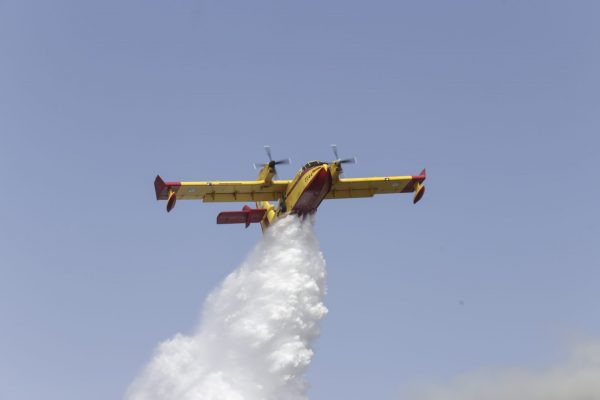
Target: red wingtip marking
421 177
159 186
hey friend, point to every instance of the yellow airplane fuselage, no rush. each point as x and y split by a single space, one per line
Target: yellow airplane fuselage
303 195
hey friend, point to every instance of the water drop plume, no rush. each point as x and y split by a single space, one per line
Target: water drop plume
257 329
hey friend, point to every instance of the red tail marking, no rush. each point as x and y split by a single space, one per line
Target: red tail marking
247 216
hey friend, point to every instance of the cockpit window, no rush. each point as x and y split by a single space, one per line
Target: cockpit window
312 164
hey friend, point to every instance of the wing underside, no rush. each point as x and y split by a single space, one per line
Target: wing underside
368 187
220 191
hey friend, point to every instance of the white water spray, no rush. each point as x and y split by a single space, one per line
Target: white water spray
254 340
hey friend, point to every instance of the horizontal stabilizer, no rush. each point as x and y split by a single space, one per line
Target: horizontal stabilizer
246 216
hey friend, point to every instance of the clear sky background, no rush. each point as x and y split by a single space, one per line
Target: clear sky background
497 266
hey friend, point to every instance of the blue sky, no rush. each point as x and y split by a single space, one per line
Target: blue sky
499 100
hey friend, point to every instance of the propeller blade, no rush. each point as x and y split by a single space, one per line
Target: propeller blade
285 161
272 163
268 150
341 161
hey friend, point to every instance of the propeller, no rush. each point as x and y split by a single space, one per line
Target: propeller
272 163
342 161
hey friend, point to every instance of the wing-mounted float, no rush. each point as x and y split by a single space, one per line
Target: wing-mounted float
301 195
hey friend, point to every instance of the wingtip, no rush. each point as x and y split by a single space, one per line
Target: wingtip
159 186
421 177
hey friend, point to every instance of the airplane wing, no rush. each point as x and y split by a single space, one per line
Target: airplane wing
346 188
219 191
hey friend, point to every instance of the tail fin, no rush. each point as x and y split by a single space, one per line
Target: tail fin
246 216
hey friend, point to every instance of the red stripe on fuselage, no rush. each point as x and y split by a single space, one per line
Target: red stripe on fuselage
314 193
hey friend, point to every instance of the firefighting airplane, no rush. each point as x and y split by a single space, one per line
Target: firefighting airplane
302 195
